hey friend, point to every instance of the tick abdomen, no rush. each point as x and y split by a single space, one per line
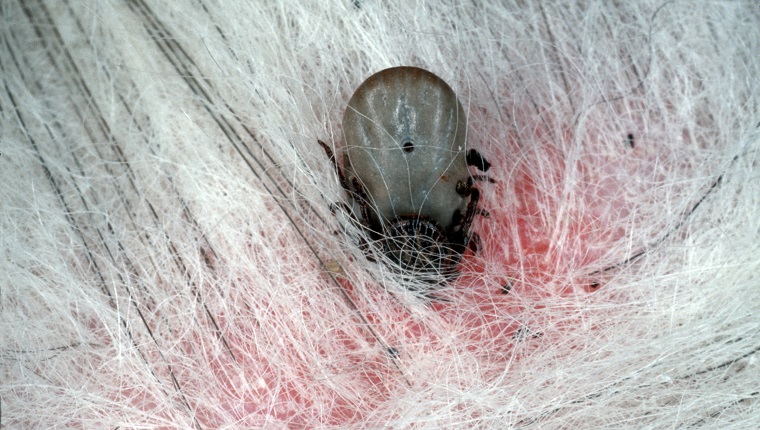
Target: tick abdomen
405 134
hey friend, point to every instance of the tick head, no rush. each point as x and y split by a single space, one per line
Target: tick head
420 248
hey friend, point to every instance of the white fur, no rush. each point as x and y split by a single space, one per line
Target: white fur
165 218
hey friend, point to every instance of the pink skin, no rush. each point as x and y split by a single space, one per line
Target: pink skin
173 262
555 261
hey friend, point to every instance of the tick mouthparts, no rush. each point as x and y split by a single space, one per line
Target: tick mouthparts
419 246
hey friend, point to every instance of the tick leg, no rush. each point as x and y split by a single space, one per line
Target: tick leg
464 188
334 162
474 158
472 209
362 200
474 243
483 178
344 207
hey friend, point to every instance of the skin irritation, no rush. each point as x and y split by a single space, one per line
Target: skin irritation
520 256
168 218
537 248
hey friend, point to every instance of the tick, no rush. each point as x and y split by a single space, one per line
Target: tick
407 171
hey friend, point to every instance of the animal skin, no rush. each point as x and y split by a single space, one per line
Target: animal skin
174 253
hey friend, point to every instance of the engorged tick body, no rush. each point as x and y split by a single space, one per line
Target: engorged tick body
407 170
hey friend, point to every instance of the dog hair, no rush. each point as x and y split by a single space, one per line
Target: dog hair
177 251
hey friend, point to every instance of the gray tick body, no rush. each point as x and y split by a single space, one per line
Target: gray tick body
406 167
